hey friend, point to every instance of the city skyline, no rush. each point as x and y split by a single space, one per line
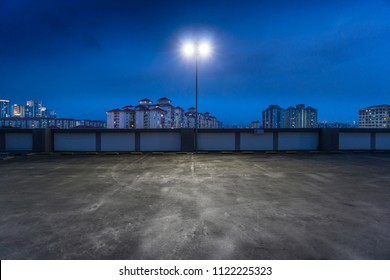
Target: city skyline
34 115
322 123
91 57
26 109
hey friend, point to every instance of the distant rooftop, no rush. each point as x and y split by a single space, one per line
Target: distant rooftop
376 107
145 100
164 100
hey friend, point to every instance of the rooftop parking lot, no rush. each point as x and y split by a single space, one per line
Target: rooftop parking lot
195 206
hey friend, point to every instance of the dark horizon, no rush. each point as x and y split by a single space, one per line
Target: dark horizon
83 59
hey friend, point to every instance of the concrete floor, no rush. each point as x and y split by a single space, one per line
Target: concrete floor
195 207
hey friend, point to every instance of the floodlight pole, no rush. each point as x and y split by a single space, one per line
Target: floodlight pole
196 105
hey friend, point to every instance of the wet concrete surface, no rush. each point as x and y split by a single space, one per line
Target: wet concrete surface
195 207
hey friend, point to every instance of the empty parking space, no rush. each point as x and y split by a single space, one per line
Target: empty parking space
188 206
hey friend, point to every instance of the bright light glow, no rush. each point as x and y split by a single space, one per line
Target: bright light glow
204 49
188 49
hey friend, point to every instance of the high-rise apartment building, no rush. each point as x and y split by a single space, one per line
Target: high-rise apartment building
273 117
290 117
34 115
18 110
47 113
311 118
149 117
300 117
142 117
255 124
208 121
375 117
160 115
121 118
33 109
189 118
178 118
157 118
169 112
4 108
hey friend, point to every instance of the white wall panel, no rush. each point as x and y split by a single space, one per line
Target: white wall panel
75 142
216 141
383 141
298 141
118 141
354 141
160 141
259 142
18 141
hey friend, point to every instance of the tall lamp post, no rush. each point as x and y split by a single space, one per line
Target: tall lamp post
197 51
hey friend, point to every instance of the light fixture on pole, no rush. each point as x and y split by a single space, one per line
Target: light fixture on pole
197 51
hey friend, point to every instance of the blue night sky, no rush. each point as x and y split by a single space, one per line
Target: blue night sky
83 57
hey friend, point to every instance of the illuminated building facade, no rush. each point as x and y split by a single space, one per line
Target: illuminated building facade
375 117
160 115
4 108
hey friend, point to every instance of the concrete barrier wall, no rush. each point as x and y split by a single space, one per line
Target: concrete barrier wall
383 141
75 142
298 141
101 140
18 141
256 142
355 141
216 141
160 141
118 142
